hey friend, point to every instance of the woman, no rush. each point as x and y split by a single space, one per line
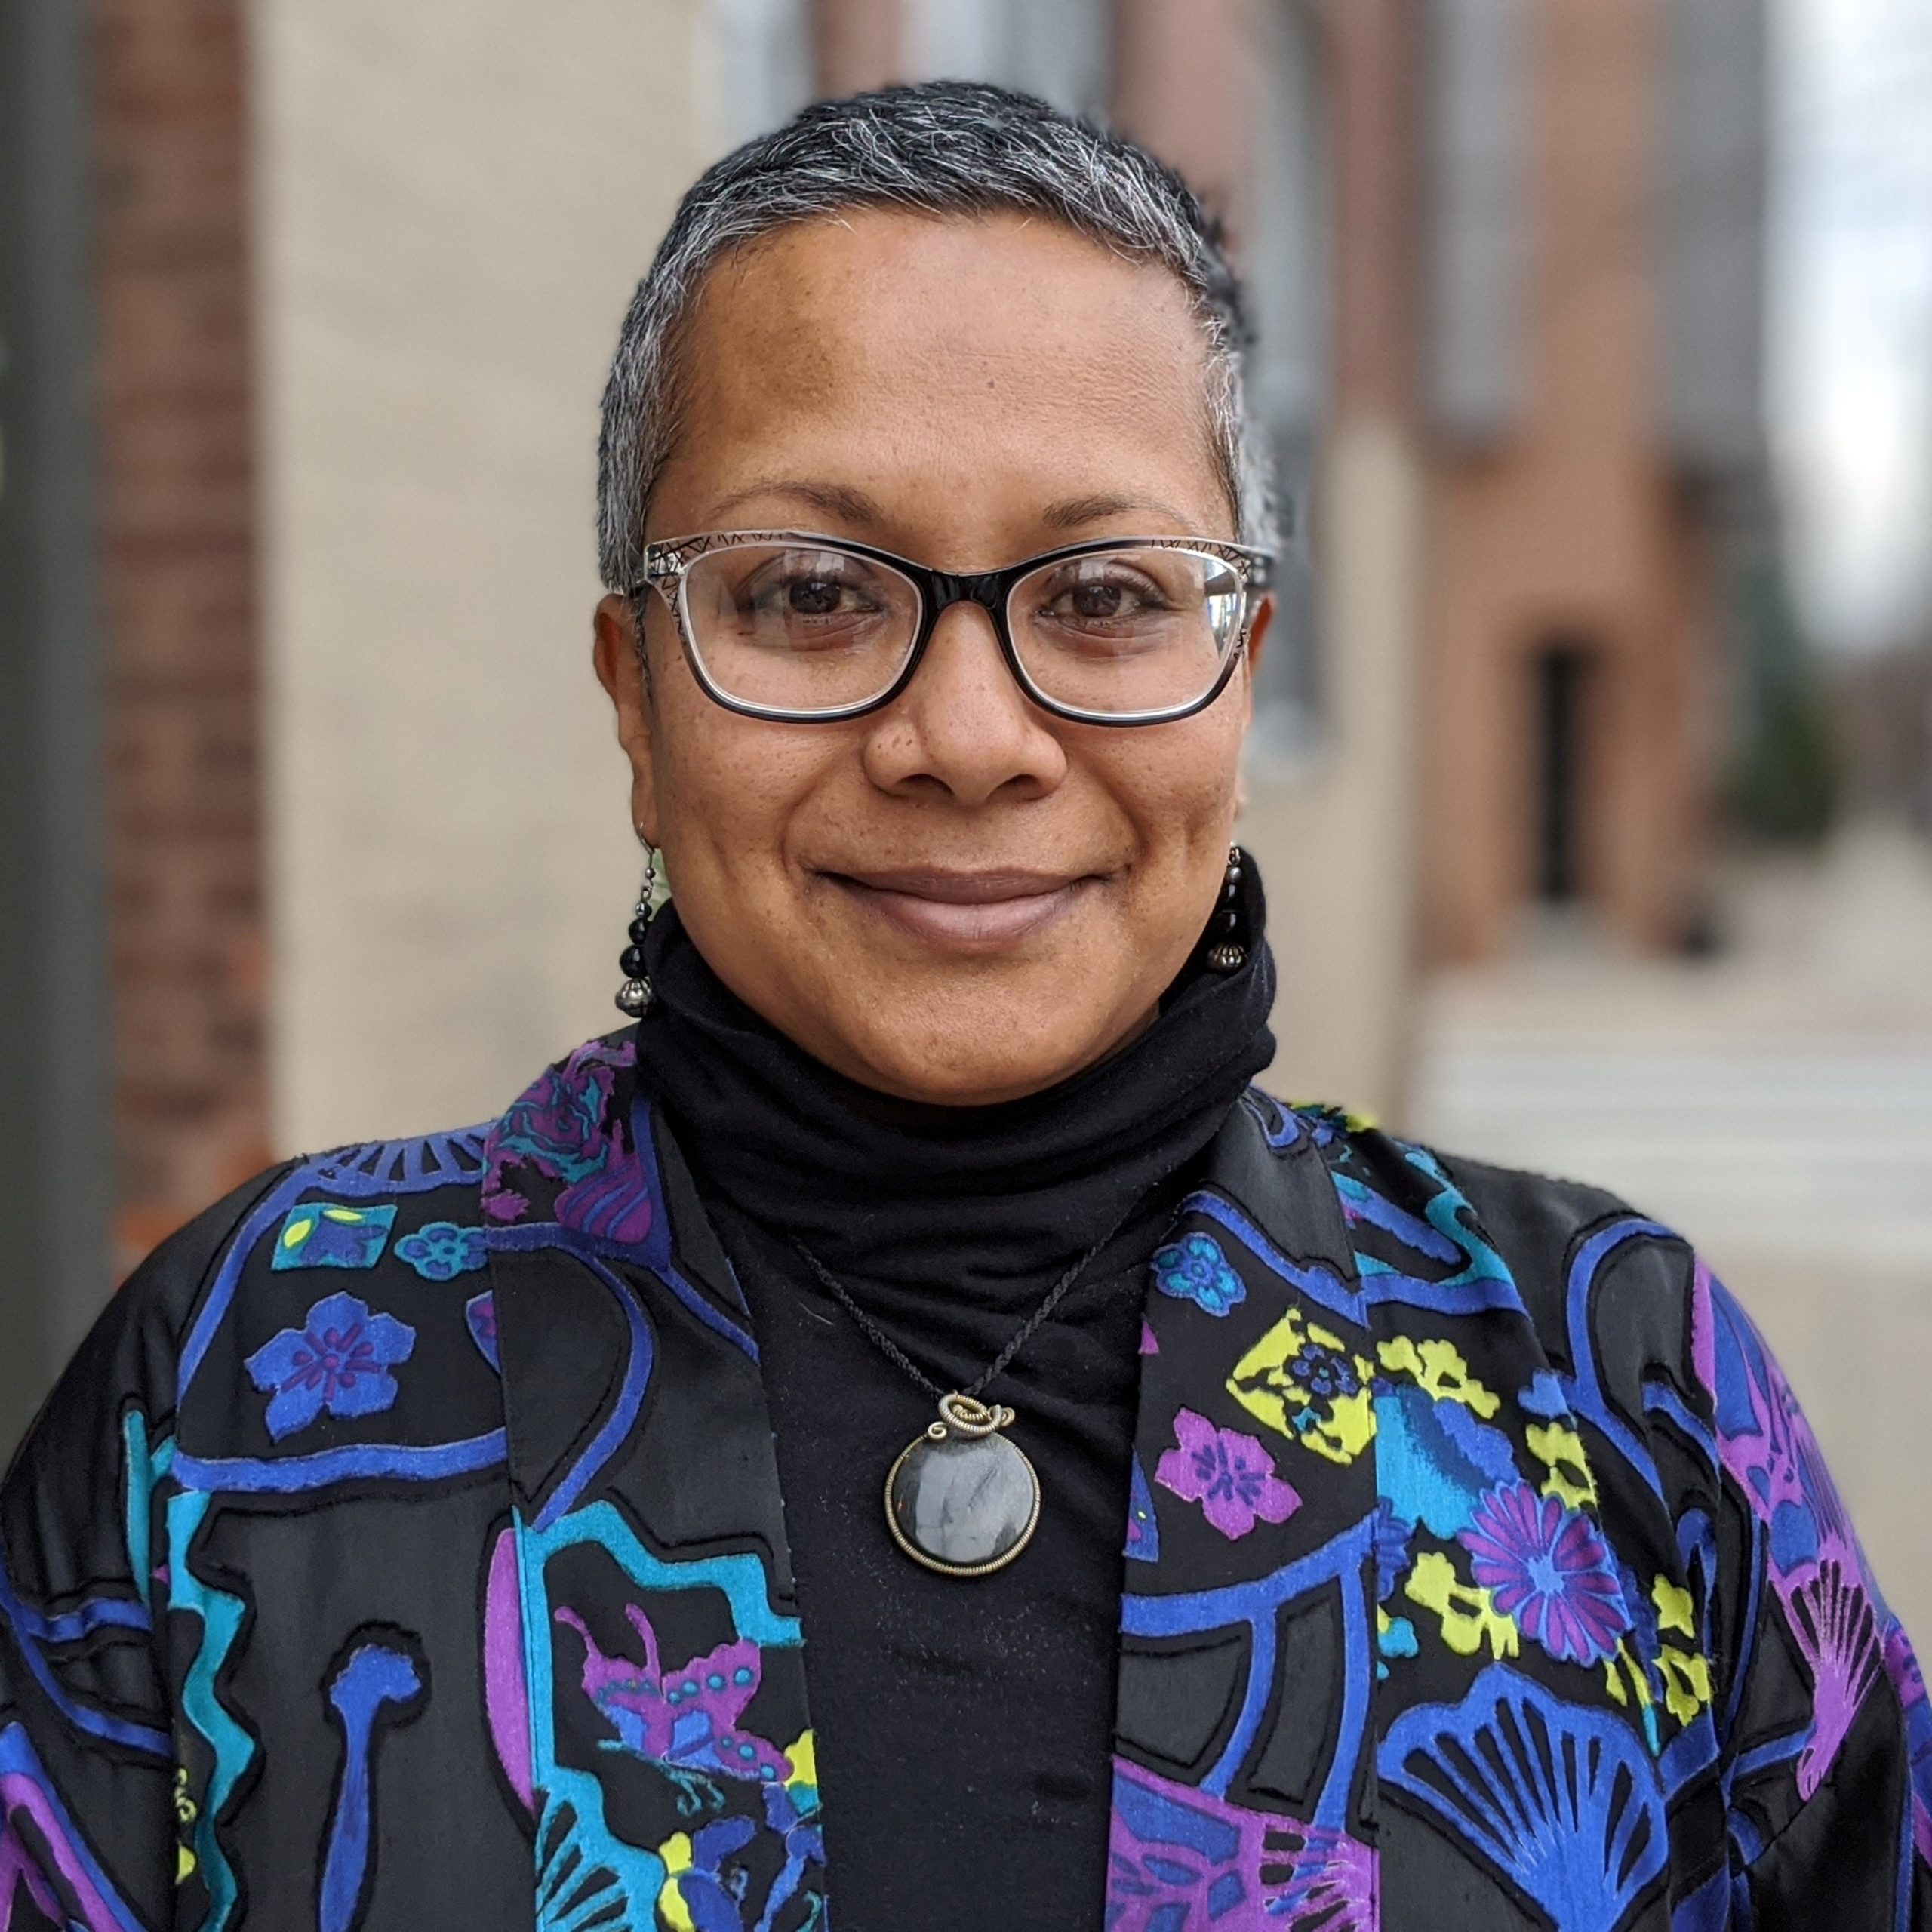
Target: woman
430 1535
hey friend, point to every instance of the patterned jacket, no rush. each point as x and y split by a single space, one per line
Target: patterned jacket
405 1549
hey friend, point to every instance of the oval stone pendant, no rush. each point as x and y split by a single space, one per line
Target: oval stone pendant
962 1499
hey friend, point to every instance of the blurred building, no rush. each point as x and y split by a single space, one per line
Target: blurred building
1595 396
305 307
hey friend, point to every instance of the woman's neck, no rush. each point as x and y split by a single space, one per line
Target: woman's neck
982 1202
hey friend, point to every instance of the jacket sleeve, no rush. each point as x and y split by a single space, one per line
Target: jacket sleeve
88 1780
1824 1730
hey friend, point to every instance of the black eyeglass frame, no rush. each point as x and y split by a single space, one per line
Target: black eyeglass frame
666 563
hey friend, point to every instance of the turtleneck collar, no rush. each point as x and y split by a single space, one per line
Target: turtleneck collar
983 1202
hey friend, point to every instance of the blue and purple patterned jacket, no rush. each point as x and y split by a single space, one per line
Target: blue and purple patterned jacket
405 1549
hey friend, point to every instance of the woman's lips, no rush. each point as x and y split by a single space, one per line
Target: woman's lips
965 909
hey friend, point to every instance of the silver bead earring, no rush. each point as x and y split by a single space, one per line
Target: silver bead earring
1224 953
634 995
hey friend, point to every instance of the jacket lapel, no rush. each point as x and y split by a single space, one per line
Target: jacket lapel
1241 1782
645 1666
1348 1424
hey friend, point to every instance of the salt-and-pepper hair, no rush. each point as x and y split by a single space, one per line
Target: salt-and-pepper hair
945 148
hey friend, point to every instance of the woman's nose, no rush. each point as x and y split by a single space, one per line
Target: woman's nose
963 723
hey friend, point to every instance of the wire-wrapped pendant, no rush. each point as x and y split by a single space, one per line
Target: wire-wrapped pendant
962 1499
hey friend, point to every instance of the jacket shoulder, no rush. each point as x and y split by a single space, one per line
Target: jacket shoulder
129 1361
374 1251
1560 1241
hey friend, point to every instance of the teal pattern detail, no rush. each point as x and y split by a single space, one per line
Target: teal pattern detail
329 1234
440 1251
1434 1462
1450 1227
572 1835
146 1466
1194 1269
1399 1639
221 1616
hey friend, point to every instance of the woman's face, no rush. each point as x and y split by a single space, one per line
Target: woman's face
958 898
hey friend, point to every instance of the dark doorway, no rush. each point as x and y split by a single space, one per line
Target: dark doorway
1562 683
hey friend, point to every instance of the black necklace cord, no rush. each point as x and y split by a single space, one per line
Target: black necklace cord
1021 1335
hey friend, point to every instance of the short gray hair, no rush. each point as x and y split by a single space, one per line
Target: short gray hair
946 148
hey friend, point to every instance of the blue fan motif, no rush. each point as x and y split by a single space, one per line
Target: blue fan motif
586 1879
1562 1799
405 1167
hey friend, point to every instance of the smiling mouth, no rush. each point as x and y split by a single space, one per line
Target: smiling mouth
979 910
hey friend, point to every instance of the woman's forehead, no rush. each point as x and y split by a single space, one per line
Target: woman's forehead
884 342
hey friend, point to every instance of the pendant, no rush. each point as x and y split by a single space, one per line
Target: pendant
961 1500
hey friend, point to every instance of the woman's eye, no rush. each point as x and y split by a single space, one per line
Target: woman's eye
1098 600
813 596
1104 601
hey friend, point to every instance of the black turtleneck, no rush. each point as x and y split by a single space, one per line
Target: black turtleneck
964 1727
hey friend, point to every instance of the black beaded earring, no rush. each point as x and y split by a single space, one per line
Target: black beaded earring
634 995
1224 954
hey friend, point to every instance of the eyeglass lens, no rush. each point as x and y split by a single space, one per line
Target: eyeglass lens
806 628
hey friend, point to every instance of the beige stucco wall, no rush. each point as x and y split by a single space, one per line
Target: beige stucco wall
453 200
1336 837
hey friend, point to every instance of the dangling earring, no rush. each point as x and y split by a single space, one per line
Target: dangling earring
1224 954
634 995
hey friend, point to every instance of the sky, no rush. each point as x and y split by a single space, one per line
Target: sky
1850 317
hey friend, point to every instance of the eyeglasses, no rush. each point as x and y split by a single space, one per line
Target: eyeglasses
784 625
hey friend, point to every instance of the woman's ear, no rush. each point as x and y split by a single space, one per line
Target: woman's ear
618 655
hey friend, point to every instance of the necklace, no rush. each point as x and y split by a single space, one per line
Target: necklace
961 1498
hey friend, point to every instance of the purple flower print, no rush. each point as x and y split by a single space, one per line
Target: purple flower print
1546 1566
338 1360
1229 1475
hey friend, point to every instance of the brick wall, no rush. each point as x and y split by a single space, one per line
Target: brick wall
179 592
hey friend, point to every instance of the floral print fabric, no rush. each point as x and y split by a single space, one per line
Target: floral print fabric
1522 1604
338 1360
1480 1569
1229 1474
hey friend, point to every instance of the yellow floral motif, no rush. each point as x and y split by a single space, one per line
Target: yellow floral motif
1561 1452
1469 1619
1440 1371
186 1812
676 1853
1339 1428
1640 1681
802 1754
1687 1682
1675 1607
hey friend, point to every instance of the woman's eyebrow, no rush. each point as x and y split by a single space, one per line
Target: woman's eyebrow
835 500
1071 513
